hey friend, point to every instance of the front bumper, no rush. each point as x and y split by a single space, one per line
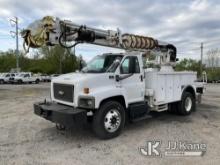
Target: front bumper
61 114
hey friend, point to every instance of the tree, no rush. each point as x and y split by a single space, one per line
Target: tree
213 68
7 61
189 65
48 60
213 57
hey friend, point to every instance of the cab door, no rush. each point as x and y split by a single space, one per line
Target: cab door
26 78
7 77
132 79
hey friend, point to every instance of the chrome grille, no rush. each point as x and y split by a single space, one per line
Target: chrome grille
63 92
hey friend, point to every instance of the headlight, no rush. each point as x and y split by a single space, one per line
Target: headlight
86 102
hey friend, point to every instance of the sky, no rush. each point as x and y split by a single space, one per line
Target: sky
183 23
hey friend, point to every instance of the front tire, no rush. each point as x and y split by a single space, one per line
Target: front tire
109 120
187 104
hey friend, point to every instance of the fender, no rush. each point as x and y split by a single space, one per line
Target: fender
189 88
108 92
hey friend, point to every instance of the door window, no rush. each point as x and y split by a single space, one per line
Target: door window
130 65
27 75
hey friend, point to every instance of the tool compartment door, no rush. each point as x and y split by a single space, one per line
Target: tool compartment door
167 86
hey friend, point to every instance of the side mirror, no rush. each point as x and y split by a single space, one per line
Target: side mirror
80 65
117 78
120 69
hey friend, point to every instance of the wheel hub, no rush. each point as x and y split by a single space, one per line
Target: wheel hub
112 120
188 104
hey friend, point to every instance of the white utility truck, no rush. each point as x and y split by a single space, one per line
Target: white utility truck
5 77
113 88
25 78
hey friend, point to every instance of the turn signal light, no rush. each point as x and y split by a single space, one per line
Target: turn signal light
86 90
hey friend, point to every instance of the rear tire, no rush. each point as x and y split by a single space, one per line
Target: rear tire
187 104
109 120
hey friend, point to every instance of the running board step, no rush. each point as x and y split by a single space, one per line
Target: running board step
160 108
141 118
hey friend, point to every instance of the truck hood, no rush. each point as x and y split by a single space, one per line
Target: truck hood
96 82
90 80
77 77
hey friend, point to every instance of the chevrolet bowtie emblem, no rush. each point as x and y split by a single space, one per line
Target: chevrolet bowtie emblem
61 92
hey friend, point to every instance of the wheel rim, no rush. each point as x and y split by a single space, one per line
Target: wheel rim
188 104
112 120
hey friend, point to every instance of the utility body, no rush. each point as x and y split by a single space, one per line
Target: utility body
115 88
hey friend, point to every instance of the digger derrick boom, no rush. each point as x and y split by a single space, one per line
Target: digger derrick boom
50 31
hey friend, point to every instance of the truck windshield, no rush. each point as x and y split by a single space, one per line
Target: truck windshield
103 63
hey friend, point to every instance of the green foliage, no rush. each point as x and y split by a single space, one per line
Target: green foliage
7 61
46 60
213 74
189 65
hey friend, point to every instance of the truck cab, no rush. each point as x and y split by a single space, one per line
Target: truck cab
113 88
106 76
